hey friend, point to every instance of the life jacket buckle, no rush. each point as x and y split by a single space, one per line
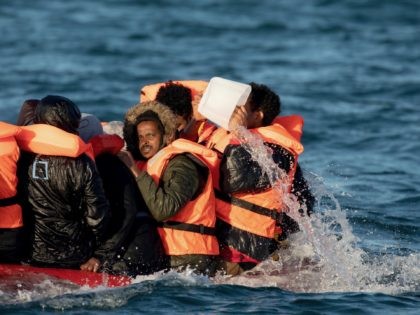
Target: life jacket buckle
40 170
201 226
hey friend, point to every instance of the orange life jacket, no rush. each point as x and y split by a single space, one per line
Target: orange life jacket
148 92
49 140
292 123
106 143
197 87
256 213
10 210
38 139
191 230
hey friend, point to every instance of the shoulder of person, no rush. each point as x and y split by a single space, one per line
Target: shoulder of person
182 159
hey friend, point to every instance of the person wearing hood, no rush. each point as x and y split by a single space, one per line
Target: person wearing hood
132 244
174 179
64 203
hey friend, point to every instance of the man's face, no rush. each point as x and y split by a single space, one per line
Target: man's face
254 118
150 138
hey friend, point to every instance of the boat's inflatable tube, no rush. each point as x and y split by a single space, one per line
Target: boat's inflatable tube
78 277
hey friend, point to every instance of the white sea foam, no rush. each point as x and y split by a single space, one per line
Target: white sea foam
325 255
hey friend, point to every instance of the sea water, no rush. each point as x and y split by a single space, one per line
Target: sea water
350 68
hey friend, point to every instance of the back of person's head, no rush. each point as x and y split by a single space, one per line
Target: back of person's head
148 111
89 127
264 99
58 111
177 97
27 112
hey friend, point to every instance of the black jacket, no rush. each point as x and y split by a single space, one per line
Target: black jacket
65 210
239 173
132 244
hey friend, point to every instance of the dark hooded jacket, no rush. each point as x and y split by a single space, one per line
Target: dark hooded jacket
65 208
182 180
132 244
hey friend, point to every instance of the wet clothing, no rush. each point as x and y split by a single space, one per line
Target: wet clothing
132 244
234 180
251 213
251 217
300 188
65 211
12 245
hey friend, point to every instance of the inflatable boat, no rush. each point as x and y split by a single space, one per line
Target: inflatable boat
77 277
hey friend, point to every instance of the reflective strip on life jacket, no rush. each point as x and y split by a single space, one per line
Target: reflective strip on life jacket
39 139
198 212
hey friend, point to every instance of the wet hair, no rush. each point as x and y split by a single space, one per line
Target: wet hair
177 97
58 111
264 99
27 112
148 111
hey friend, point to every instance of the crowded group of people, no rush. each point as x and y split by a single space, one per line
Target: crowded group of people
171 190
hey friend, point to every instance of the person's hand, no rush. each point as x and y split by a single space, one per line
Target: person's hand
128 160
92 264
238 118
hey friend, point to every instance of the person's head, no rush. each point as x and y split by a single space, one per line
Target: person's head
179 99
58 111
150 132
27 112
148 127
89 126
263 106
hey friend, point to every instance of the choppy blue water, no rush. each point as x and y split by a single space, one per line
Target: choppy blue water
350 68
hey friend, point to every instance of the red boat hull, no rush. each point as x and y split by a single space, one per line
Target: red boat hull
79 277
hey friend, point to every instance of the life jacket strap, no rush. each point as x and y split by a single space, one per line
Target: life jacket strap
271 213
196 228
5 202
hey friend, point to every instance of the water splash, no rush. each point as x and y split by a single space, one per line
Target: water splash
324 256
16 289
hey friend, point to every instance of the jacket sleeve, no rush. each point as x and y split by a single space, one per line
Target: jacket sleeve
301 190
178 185
97 206
240 173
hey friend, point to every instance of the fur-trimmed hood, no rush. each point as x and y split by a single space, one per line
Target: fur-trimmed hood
166 116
